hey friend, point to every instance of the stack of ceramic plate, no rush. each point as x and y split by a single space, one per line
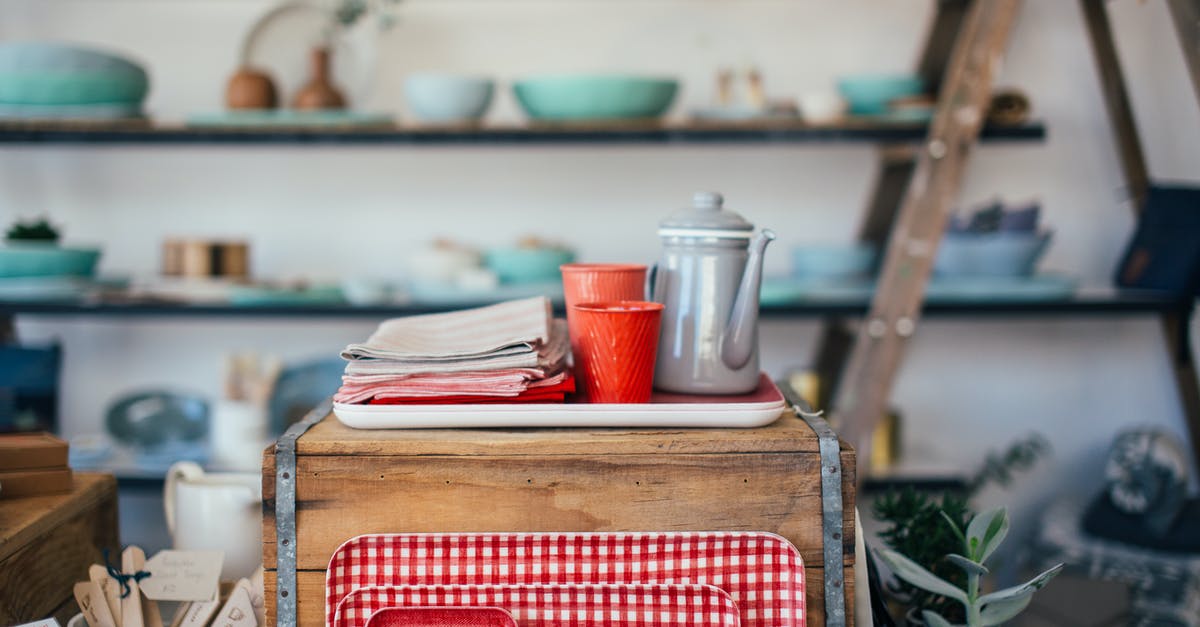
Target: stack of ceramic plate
57 81
541 579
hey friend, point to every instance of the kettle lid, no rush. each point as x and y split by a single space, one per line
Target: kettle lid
706 218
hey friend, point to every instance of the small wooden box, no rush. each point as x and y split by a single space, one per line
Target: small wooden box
351 482
48 542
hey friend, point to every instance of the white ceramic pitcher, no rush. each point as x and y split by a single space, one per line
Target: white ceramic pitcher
218 512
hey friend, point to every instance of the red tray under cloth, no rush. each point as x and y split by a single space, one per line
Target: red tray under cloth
557 605
762 572
442 617
761 407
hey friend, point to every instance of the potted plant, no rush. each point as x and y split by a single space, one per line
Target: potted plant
982 536
914 525
31 249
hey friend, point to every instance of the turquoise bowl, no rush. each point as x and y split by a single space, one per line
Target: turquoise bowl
869 94
582 97
833 262
527 265
36 73
46 260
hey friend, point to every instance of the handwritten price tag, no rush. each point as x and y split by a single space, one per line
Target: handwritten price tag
183 575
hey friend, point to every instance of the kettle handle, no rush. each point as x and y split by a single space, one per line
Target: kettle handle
178 470
651 274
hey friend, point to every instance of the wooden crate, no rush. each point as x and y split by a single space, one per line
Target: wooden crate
48 542
351 482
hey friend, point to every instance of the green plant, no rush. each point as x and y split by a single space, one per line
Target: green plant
983 535
347 12
913 523
915 528
35 231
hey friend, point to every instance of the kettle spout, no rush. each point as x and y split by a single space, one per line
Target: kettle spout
740 334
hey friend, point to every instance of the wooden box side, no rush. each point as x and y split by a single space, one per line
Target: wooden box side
51 547
340 497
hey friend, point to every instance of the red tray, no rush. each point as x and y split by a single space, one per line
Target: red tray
441 617
762 572
537 605
761 407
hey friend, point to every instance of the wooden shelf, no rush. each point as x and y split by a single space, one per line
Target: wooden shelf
1085 303
149 133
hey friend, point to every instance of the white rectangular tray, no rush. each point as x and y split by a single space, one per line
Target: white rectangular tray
756 409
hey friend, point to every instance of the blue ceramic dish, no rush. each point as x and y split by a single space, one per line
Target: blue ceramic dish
583 97
448 98
21 259
833 262
154 419
527 265
990 254
869 94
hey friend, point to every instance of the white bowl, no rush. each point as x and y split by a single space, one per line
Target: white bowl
448 98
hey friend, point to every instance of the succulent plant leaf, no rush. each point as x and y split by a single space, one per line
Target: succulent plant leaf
986 532
999 612
916 575
1025 589
973 568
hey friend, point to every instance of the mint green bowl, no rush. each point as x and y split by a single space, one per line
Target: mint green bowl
595 97
46 260
41 73
527 265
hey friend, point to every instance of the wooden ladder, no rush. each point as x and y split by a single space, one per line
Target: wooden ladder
917 187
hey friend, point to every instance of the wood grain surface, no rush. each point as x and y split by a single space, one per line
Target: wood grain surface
48 542
352 482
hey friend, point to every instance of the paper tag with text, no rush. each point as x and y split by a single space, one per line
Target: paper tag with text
183 575
238 611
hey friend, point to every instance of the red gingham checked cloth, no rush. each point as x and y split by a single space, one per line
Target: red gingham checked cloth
576 605
761 571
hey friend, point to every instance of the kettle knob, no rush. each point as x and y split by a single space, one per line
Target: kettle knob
708 200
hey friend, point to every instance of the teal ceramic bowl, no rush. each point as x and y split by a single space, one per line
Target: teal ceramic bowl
35 73
833 262
46 260
583 97
869 94
527 265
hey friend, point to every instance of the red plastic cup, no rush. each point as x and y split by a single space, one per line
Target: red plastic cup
618 343
600 283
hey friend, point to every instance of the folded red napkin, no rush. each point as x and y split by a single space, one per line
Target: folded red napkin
554 393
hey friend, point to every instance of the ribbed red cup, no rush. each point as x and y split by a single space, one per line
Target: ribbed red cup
600 283
618 342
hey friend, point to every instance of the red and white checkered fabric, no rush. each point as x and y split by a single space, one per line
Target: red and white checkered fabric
761 571
574 605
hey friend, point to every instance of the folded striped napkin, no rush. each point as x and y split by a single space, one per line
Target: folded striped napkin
513 327
513 350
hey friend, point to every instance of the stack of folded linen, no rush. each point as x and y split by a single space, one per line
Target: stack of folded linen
505 353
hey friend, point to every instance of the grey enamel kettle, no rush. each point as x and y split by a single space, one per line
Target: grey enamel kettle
708 280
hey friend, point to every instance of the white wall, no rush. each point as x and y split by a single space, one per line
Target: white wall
967 386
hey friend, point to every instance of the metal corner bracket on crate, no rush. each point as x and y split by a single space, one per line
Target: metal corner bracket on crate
286 590
831 505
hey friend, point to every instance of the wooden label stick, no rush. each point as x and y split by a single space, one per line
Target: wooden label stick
131 605
91 602
111 589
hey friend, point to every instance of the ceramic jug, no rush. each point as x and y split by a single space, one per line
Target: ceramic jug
708 280
217 512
